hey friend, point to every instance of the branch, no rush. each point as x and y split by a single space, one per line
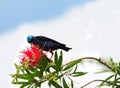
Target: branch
92 58
96 81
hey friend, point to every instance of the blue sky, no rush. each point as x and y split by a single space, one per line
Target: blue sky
15 12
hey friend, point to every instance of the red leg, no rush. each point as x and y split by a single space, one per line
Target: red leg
51 53
47 52
51 56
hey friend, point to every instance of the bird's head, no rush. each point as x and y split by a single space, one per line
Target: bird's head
29 38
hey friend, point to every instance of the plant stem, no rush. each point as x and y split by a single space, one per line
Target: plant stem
91 58
96 81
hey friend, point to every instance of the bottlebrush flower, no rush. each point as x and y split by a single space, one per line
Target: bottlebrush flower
31 56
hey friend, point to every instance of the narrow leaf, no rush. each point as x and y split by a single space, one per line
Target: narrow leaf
37 73
106 80
75 68
20 83
24 84
60 60
72 84
56 57
17 68
71 64
103 71
60 76
25 76
65 84
76 74
56 85
50 65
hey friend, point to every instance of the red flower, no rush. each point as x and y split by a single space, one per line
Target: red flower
31 56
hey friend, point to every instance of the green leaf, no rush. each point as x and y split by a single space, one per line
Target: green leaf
111 60
44 61
119 65
54 83
103 71
56 57
71 64
28 72
60 60
32 69
72 84
75 68
37 73
19 82
65 84
60 76
106 80
56 68
112 63
50 65
17 68
76 74
25 76
36 85
53 65
24 84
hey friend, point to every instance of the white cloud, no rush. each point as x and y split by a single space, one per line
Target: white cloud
91 30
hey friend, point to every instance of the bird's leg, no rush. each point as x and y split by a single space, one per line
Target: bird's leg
51 55
47 52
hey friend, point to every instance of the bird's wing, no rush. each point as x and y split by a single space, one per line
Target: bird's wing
45 39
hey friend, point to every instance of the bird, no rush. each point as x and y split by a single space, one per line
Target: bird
47 44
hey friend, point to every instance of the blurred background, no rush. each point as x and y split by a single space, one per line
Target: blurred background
89 27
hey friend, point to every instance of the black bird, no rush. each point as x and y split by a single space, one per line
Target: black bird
46 44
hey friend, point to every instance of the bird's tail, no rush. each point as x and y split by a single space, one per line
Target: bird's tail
66 48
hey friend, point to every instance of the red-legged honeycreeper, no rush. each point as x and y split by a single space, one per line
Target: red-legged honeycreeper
46 44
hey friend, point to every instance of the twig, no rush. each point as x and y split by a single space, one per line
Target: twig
91 58
96 81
